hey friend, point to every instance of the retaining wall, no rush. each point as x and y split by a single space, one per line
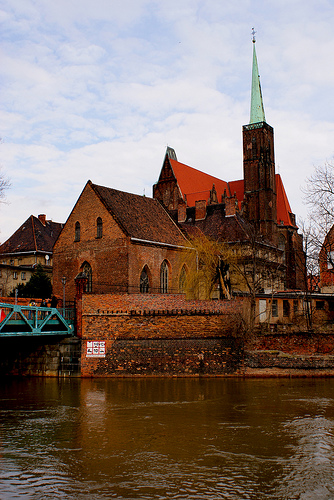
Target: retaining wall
139 334
40 356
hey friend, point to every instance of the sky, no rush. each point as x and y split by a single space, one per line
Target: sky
98 90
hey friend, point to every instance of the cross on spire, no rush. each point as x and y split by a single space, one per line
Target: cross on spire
253 34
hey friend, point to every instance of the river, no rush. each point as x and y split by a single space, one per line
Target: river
167 439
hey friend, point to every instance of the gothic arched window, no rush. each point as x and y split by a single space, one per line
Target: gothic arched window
144 281
86 268
99 227
183 279
164 277
77 231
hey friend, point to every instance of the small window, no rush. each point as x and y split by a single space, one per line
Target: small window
77 232
23 276
99 227
164 277
295 306
320 304
0 273
11 262
286 308
15 275
274 308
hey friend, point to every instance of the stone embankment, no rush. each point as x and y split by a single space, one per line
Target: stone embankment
156 335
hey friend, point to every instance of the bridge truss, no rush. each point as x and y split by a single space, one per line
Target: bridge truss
22 321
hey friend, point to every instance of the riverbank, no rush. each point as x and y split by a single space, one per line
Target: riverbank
220 357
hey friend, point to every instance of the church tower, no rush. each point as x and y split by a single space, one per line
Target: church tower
259 164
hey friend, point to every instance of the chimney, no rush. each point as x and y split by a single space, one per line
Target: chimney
231 205
42 218
181 211
200 210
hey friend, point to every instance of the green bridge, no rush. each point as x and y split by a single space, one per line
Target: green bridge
25 321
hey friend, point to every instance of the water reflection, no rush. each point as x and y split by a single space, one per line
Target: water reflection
166 438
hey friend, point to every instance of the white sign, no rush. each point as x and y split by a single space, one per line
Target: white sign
96 349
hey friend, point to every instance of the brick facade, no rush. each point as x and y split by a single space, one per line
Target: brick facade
259 179
102 254
118 256
160 334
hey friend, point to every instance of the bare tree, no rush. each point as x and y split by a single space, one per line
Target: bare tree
249 266
319 197
207 273
319 192
257 267
4 182
4 185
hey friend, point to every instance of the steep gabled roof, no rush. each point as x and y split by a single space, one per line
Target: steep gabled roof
33 236
196 185
283 205
140 217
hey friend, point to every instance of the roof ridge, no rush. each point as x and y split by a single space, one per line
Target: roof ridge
121 191
33 231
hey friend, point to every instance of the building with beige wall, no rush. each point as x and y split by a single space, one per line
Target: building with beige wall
30 245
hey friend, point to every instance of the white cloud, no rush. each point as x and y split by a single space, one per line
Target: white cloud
97 90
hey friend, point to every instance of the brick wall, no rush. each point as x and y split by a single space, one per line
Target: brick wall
169 357
295 343
152 256
125 303
101 253
116 260
19 301
159 335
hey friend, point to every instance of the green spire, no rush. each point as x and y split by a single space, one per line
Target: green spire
257 110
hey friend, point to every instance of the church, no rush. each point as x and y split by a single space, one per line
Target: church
127 243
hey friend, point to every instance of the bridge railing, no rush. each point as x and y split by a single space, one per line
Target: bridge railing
32 320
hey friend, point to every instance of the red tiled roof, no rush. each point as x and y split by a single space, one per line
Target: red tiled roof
196 185
283 205
238 188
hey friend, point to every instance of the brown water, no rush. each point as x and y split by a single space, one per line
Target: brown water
167 439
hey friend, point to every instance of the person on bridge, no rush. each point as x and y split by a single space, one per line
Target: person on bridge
54 301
